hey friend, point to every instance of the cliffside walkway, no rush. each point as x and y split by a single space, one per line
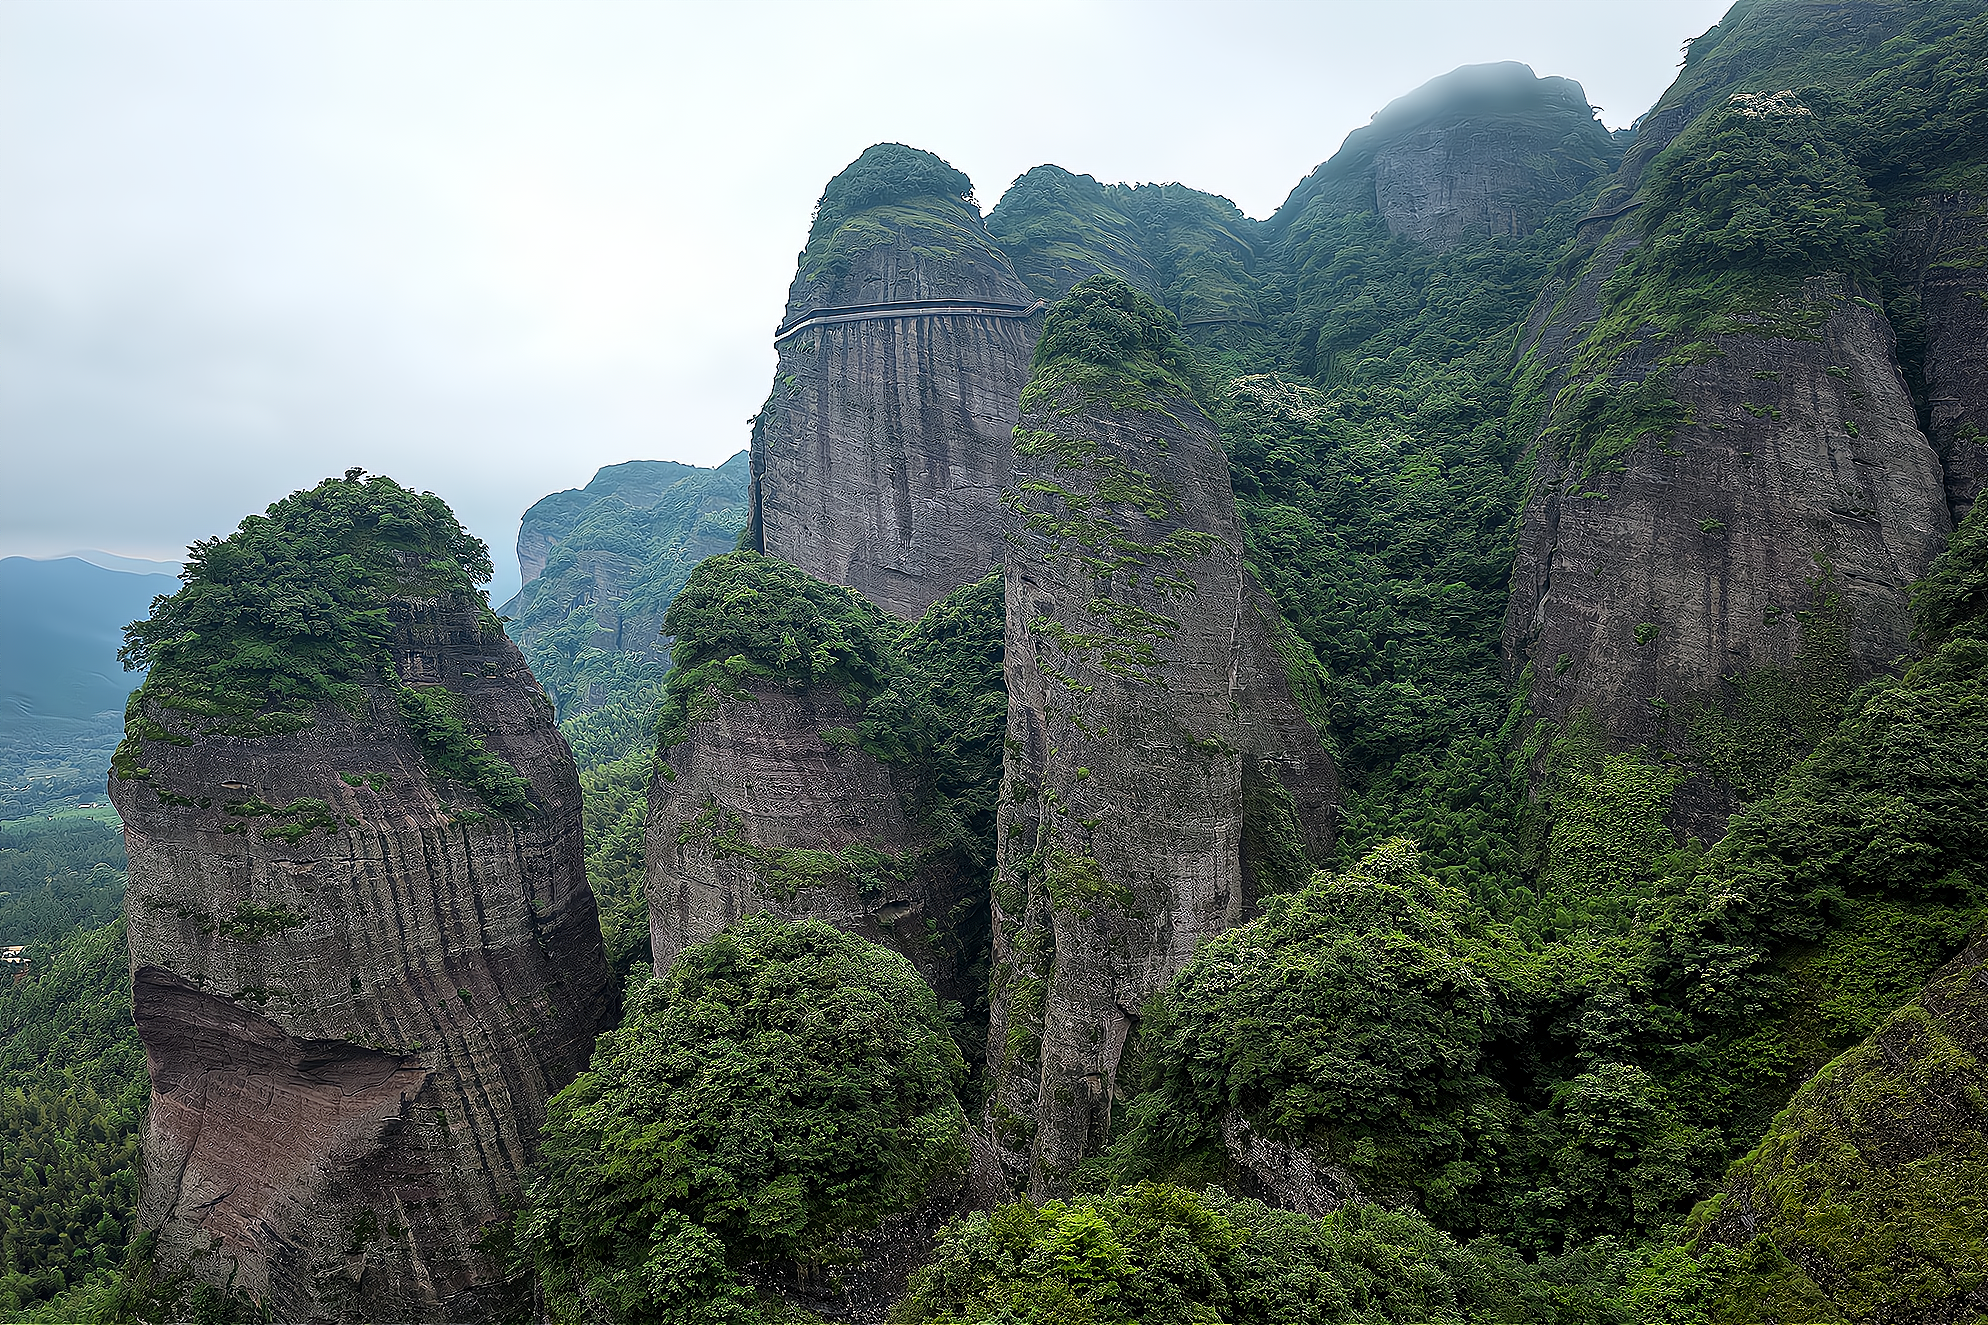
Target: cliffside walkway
902 309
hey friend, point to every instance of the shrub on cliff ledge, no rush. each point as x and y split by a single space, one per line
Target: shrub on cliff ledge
743 614
782 1087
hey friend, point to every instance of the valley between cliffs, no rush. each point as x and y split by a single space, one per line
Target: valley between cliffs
1420 758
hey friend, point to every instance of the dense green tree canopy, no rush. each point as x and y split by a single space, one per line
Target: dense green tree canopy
1106 339
885 174
1161 1255
781 1087
1760 185
289 611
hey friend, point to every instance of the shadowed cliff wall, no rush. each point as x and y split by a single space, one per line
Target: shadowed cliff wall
1150 710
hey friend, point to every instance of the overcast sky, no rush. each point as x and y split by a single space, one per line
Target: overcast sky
489 247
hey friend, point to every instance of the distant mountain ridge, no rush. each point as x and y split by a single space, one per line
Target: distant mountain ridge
62 690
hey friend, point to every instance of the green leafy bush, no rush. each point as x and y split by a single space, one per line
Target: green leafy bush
290 611
745 615
1352 1016
1161 1255
885 174
780 1088
1107 342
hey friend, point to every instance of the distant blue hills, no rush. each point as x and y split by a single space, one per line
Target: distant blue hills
62 691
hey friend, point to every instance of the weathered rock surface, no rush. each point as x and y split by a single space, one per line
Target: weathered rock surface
1944 250
1799 475
357 989
1144 711
1284 1175
1864 1201
879 459
763 808
1487 149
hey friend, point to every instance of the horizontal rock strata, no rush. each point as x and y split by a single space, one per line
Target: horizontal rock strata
357 988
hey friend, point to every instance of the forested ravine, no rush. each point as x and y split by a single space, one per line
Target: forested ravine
1420 759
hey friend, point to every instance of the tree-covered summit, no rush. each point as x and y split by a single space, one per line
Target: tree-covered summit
290 610
1107 341
888 174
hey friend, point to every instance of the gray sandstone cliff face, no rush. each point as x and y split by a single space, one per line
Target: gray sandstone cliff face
357 990
1799 474
760 809
880 457
1942 249
1147 705
1484 150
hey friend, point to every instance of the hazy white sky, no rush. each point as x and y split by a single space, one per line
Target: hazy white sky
489 247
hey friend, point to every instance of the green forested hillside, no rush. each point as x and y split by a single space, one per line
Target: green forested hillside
72 1096
58 872
1524 1050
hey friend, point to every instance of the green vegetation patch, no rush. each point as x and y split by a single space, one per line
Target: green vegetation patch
743 616
1351 1016
71 1107
1107 344
291 612
59 873
779 1089
1159 1253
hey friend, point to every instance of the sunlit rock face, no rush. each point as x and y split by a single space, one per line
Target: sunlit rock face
880 456
357 988
1158 757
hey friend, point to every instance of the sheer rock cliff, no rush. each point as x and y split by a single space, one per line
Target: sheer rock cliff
766 806
1779 528
1152 723
879 457
356 988
1488 149
1942 248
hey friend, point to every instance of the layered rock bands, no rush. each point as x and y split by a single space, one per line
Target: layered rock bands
880 457
357 988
